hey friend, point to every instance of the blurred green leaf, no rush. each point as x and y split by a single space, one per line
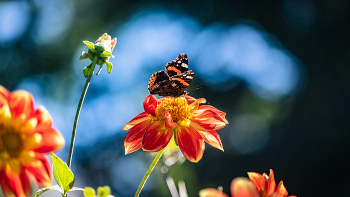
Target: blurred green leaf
63 175
86 71
109 66
103 191
54 187
90 45
89 192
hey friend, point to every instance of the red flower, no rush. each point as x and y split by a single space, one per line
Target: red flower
25 135
266 185
181 117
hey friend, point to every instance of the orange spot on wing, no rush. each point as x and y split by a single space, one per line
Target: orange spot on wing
152 80
183 82
174 69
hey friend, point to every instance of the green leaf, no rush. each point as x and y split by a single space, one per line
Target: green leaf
106 54
54 187
89 192
63 175
109 66
103 191
90 45
86 71
77 189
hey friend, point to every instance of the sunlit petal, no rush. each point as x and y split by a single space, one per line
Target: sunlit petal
132 141
150 104
209 107
242 187
211 192
258 180
51 140
212 138
39 170
156 137
281 191
21 104
13 184
168 120
191 143
43 116
139 118
271 184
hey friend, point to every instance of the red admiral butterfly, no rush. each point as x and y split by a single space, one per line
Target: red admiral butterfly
174 81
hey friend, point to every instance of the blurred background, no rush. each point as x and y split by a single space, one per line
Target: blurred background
279 69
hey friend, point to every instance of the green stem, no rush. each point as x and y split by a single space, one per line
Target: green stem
78 111
148 172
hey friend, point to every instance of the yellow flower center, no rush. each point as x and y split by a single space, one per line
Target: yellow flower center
11 142
177 107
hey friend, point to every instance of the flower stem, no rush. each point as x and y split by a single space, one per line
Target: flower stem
148 172
78 111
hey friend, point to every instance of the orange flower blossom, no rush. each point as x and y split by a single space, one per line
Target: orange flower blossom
181 117
266 185
25 135
258 186
240 187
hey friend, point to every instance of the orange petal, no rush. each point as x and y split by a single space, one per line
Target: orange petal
212 138
4 92
258 180
211 192
51 140
190 99
14 184
43 116
39 171
169 120
208 120
209 107
139 118
191 143
242 187
156 137
132 141
150 105
271 184
281 191
21 104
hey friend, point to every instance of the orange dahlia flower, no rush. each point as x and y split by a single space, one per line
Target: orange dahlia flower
25 135
266 185
181 117
240 187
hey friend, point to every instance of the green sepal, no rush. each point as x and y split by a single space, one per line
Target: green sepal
86 70
89 192
109 66
99 49
90 45
85 56
106 54
63 175
99 70
54 187
103 191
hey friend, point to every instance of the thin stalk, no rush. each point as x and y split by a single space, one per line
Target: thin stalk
148 172
78 111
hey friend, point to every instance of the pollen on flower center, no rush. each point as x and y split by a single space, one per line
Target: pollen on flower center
12 143
178 109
